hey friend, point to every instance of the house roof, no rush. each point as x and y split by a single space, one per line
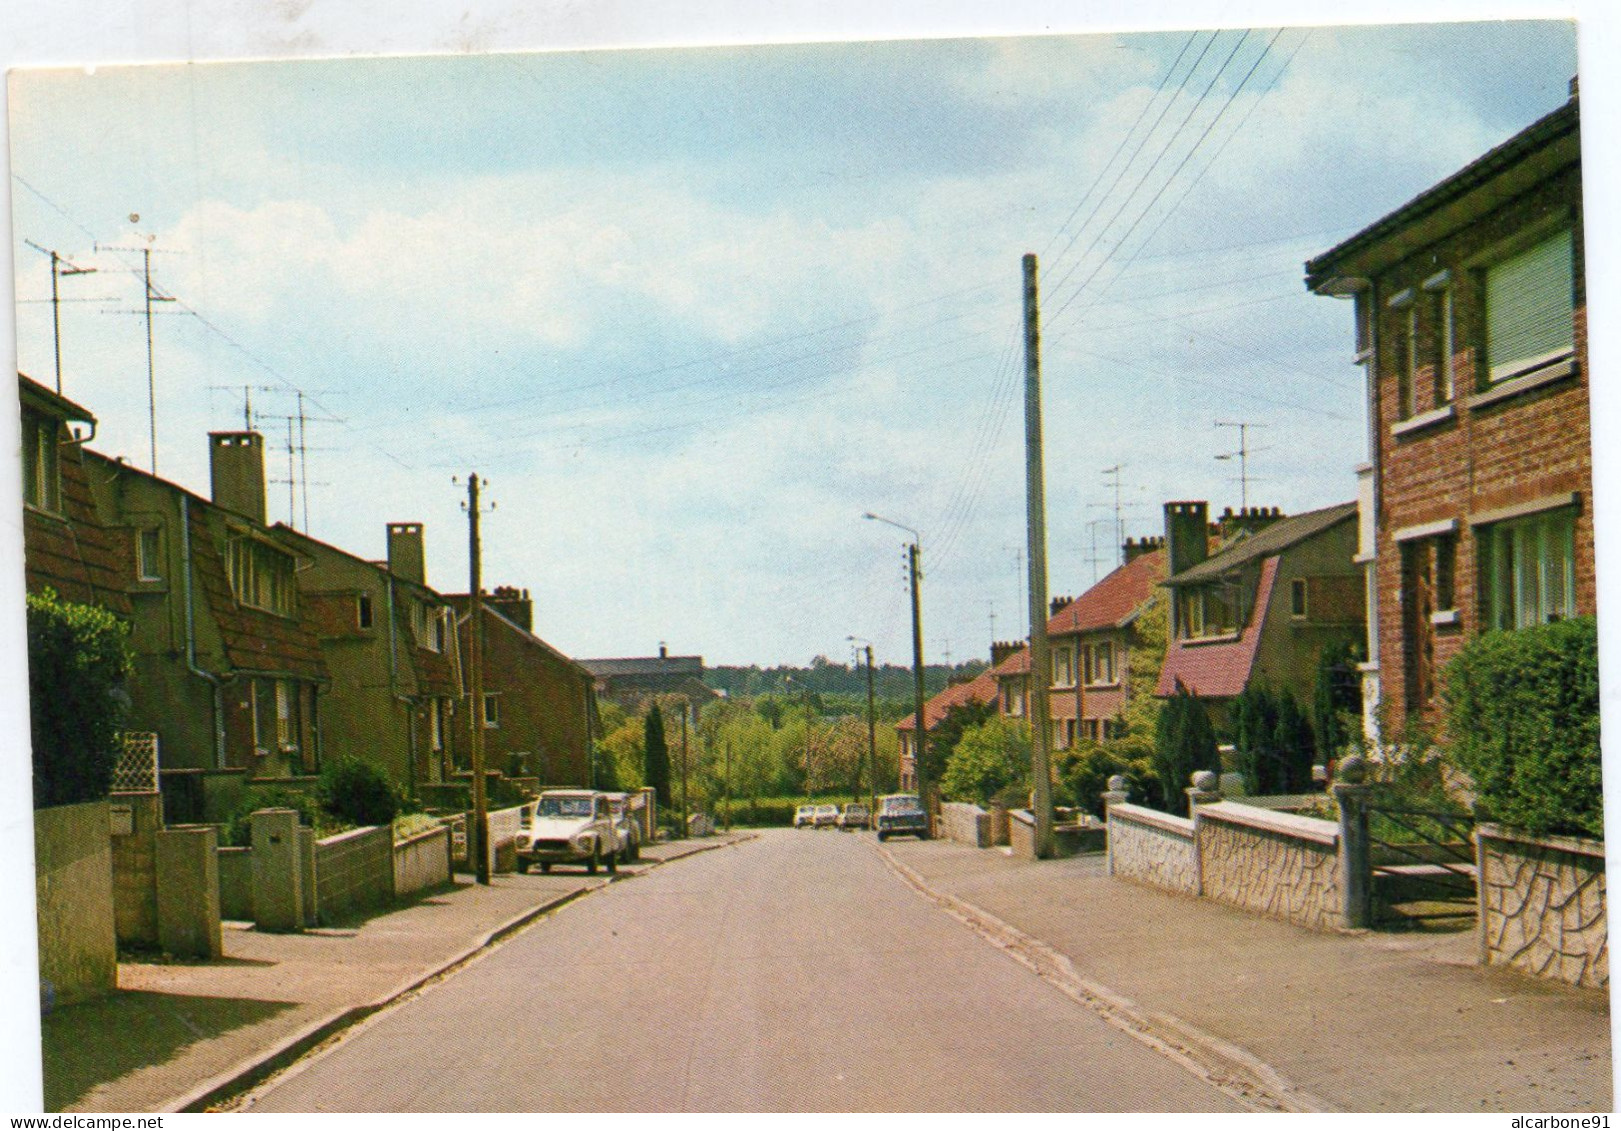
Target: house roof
1529 156
1272 540
981 689
1113 601
1016 664
37 396
644 665
1220 669
462 604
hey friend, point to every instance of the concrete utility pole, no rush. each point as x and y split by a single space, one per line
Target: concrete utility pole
685 708
476 847
872 742
914 552
1036 525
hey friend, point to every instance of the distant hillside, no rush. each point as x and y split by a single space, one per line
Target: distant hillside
823 677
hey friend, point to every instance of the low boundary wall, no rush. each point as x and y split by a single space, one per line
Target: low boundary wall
1542 905
422 862
354 872
966 824
1159 849
73 901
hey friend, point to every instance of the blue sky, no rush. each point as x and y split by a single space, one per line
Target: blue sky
693 312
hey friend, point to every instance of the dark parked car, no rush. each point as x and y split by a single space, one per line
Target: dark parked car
901 814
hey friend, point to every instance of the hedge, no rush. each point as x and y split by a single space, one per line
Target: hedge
77 661
1523 723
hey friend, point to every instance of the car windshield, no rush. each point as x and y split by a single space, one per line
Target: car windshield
901 805
565 807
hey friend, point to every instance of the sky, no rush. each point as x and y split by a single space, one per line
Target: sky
692 313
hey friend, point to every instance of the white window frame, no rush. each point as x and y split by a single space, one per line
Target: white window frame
492 710
1063 664
1536 552
149 565
42 462
261 576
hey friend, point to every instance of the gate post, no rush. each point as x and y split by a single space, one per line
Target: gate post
1356 861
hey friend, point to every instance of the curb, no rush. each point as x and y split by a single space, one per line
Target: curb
247 1074
1232 1070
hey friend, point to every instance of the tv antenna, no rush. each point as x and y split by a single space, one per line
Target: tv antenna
152 295
57 271
1242 455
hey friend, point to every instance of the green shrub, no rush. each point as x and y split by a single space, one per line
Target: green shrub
1184 742
1523 723
1336 704
1084 773
988 758
77 661
238 830
357 792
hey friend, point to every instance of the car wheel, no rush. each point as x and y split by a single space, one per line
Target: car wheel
591 864
613 863
545 868
883 836
523 867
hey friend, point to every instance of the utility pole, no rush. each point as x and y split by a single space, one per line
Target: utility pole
685 708
872 744
1036 525
57 271
477 835
914 552
1242 455
727 789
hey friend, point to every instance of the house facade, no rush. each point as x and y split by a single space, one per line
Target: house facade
391 652
1261 607
982 689
227 668
539 712
635 681
1471 327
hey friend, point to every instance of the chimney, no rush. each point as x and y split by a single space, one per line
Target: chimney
236 463
664 653
1186 526
1002 649
514 604
405 557
1058 605
1137 547
1250 520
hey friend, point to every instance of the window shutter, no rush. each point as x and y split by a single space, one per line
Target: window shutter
1530 307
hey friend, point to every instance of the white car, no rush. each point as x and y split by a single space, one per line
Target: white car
805 817
569 826
827 817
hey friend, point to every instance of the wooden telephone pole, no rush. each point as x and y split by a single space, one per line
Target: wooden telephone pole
1036 523
477 838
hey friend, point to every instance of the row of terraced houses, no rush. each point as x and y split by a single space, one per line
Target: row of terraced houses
1474 508
260 651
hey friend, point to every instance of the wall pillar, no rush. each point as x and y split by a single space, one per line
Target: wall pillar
1118 793
1356 861
189 892
278 872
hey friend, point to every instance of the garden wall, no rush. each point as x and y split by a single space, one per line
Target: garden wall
1542 905
73 901
966 824
422 862
1277 864
354 872
1154 848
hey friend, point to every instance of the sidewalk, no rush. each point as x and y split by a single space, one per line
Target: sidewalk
1355 1021
177 1035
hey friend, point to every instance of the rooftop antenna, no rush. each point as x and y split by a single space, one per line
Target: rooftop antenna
1242 455
152 295
57 271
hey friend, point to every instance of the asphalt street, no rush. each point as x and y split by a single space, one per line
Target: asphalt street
793 972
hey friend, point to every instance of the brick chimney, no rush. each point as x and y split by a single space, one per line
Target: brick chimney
1002 649
1135 548
514 604
1186 535
405 555
1058 605
1251 520
664 652
236 463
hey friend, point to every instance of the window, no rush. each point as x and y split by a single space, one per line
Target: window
1446 565
1530 308
1063 668
440 620
148 555
1528 569
1100 663
1441 312
1205 611
1297 598
42 483
1063 734
492 709
436 724
261 576
276 716
427 626
363 610
1404 350
1015 701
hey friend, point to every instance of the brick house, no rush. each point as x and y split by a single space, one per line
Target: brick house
982 689
1262 605
540 710
1471 326
391 652
634 682
227 669
1091 638
66 545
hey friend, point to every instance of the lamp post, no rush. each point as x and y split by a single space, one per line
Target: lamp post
914 552
872 732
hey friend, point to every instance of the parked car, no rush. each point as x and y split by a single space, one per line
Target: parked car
569 826
805 817
901 814
855 817
626 826
827 817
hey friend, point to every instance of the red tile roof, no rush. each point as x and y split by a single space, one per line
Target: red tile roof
979 690
1219 670
1112 601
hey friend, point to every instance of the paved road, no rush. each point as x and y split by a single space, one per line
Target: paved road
792 972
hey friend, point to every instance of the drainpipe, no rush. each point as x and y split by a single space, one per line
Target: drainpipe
191 637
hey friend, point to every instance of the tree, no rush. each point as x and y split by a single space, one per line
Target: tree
1184 743
1150 634
1295 744
656 756
943 739
1336 697
1255 741
77 663
988 758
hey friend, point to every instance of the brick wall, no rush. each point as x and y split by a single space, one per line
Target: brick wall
135 864
354 872
1483 457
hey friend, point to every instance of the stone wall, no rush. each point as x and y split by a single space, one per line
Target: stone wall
966 824
422 862
73 901
136 819
236 883
1542 906
1277 864
503 843
1153 848
354 872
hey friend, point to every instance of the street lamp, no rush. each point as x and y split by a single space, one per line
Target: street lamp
914 551
872 733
